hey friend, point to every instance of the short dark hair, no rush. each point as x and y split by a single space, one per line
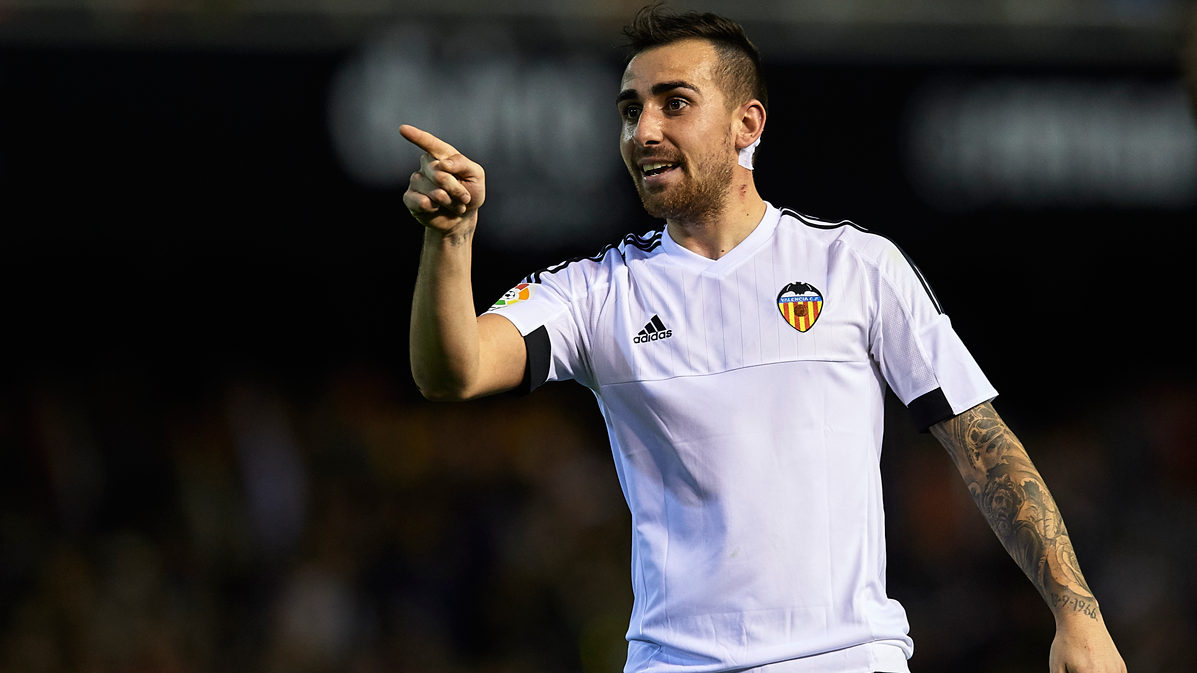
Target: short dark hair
739 61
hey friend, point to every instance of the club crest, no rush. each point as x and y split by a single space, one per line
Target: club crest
800 304
515 295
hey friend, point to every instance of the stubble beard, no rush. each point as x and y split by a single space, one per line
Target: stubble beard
703 198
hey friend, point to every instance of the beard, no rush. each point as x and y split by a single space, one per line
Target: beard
700 198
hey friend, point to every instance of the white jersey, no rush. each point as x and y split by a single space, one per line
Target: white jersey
743 399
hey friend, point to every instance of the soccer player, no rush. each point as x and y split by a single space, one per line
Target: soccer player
740 357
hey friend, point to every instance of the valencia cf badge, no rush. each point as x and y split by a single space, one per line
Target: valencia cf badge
800 304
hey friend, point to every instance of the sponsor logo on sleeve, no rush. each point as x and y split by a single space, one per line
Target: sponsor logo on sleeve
515 295
800 304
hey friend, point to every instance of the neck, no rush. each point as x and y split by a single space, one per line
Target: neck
717 234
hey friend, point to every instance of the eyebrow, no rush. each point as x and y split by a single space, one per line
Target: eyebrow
657 89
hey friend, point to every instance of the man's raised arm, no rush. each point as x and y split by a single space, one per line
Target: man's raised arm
1016 503
454 354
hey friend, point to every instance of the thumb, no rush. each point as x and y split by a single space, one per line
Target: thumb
461 167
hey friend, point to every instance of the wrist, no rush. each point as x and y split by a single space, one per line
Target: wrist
460 234
1072 611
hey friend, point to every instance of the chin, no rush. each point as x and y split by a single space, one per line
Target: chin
653 202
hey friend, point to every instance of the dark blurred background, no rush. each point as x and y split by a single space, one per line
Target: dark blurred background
212 455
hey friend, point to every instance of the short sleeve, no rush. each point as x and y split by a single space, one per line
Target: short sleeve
544 307
921 357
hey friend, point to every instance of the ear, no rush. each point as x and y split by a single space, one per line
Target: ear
749 123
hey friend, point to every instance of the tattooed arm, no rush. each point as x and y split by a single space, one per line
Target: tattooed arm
1014 500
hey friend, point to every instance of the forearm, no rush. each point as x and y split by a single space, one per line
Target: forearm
1012 496
444 330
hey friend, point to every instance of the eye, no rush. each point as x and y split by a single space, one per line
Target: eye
631 112
676 104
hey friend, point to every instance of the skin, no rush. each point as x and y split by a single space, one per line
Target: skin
455 355
1010 493
674 111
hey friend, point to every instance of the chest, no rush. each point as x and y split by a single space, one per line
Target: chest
658 320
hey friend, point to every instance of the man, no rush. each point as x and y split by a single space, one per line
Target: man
740 359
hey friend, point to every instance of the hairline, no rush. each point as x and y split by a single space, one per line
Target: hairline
721 70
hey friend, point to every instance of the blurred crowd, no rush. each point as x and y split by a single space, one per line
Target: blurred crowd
338 526
336 521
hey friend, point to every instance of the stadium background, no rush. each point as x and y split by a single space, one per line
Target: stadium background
212 456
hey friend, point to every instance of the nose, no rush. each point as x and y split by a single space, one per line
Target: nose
648 128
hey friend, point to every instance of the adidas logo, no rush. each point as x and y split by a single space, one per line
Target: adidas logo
653 331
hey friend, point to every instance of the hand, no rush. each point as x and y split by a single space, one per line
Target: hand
1084 647
445 194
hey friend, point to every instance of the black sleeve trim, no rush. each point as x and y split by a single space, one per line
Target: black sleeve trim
536 369
929 409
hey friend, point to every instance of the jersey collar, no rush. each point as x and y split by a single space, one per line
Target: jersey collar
763 231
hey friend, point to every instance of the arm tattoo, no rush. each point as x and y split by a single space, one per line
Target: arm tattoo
1014 500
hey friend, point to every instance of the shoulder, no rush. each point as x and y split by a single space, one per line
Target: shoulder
868 244
875 250
601 264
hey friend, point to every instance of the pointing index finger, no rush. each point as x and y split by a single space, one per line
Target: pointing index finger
438 148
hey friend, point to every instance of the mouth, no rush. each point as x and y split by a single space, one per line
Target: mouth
654 169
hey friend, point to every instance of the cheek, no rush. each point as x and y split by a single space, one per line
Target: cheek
627 143
627 137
